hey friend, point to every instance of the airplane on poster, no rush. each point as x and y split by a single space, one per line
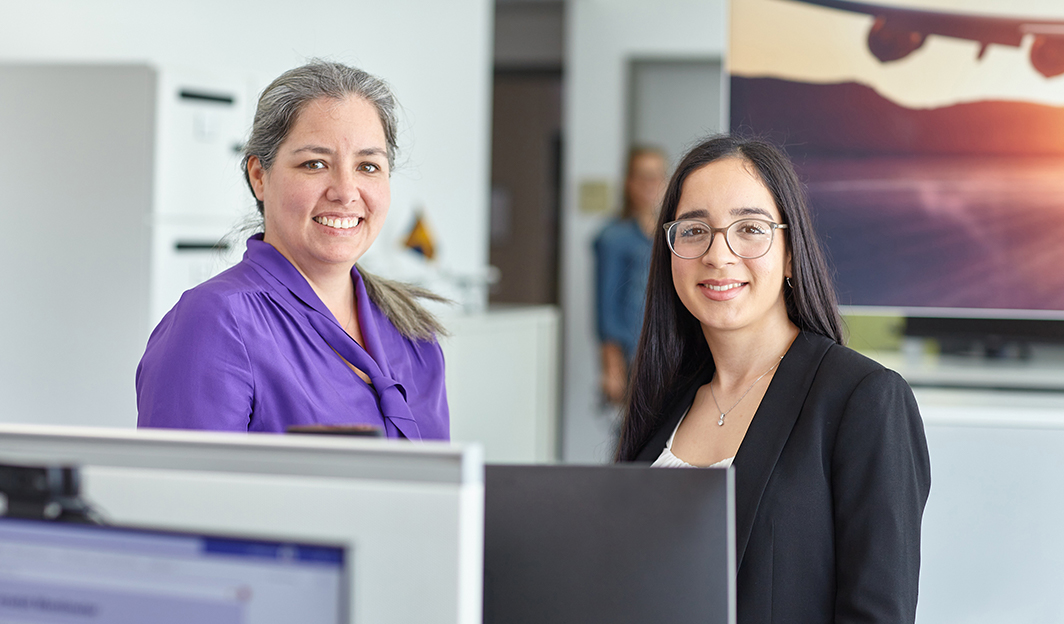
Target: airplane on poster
897 32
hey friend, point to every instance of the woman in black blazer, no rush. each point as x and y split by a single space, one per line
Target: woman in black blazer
741 362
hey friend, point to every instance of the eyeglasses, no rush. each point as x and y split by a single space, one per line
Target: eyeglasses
746 238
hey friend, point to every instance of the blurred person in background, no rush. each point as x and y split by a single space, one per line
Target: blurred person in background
622 263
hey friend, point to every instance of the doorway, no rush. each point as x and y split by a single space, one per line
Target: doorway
673 103
526 185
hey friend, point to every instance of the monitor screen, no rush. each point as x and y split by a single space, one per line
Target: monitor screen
618 544
58 572
931 141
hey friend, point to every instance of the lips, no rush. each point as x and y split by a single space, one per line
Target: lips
338 223
721 291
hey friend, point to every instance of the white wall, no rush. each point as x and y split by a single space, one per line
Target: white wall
602 36
436 55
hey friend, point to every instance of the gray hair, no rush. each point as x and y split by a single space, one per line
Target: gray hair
285 98
398 302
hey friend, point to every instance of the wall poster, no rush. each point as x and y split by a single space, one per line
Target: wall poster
930 134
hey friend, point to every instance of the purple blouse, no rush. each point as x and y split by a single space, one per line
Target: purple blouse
255 349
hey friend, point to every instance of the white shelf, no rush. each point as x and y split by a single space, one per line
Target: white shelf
1044 371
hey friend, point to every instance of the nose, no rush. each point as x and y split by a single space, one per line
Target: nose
718 254
343 187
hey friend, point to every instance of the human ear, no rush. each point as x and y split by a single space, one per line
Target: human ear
256 175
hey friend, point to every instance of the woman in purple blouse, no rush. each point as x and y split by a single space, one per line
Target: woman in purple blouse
296 333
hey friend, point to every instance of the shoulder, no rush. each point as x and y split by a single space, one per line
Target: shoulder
868 411
240 279
861 371
838 376
828 361
842 360
864 395
216 303
618 232
878 429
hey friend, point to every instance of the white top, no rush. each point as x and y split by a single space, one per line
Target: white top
668 460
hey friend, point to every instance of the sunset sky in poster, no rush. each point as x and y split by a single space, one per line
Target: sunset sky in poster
802 42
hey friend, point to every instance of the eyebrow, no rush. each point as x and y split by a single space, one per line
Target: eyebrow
735 212
317 149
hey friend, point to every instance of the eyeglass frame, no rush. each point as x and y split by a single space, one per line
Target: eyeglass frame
723 230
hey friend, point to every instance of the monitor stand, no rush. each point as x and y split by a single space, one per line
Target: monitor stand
44 493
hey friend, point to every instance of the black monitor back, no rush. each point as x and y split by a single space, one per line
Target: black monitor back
613 544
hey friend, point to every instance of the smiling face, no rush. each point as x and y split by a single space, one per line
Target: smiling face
326 195
723 291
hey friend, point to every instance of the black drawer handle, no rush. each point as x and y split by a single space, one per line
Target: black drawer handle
201 246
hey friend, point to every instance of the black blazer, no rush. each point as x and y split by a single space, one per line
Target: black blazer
830 486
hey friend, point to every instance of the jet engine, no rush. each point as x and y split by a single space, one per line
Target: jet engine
1047 55
890 43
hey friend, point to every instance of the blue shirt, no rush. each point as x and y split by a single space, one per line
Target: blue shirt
622 267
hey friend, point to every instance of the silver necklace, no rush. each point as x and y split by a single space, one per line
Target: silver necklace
724 413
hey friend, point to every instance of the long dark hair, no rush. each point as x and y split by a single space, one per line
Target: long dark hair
672 349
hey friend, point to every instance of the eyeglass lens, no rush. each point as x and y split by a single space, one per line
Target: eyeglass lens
749 238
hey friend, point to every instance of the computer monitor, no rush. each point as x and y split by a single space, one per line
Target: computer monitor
614 544
59 572
412 514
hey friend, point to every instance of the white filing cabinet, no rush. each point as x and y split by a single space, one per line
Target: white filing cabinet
115 182
503 382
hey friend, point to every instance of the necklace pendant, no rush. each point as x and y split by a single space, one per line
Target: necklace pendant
720 422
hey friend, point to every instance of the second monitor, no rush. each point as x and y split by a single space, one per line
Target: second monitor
611 544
